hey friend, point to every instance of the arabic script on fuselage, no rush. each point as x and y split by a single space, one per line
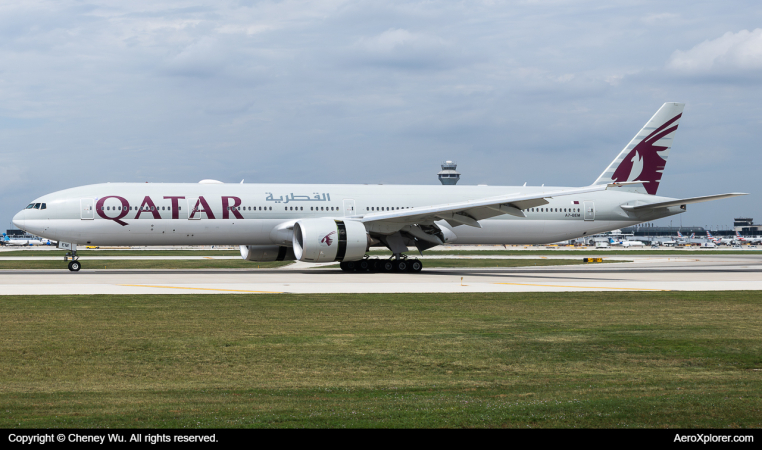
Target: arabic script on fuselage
298 198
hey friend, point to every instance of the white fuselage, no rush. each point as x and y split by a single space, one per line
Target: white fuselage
248 214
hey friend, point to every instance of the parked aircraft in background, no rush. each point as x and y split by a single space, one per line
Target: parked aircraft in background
626 244
319 223
24 242
681 239
750 240
719 241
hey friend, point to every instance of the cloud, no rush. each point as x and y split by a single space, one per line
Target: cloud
740 51
199 59
653 19
11 175
183 90
400 48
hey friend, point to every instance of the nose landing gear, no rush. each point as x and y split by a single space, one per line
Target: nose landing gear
74 264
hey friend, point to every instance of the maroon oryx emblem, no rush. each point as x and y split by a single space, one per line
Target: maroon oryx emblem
327 239
646 154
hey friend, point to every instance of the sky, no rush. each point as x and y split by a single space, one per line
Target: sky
542 92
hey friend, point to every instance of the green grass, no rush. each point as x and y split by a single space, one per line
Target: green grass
607 359
444 263
146 264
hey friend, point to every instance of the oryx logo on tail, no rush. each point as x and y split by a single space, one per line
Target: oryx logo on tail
645 157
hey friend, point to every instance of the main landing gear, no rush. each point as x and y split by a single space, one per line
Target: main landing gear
382 265
74 264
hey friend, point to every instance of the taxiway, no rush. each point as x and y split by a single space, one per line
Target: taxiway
646 273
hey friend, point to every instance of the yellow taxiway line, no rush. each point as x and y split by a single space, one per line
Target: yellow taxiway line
199 289
585 287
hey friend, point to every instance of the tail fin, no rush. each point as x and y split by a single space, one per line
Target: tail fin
679 234
644 158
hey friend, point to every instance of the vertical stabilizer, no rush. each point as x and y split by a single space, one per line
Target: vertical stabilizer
644 158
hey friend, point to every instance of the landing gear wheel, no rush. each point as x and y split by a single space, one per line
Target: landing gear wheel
415 265
364 266
74 266
343 266
401 265
376 265
351 266
387 266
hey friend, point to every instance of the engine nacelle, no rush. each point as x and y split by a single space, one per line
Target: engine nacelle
323 240
267 253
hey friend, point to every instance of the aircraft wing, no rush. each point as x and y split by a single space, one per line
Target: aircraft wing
683 201
472 211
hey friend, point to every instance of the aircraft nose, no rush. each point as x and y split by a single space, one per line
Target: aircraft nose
19 220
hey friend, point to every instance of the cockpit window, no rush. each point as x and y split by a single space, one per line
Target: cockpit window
37 205
44 206
30 206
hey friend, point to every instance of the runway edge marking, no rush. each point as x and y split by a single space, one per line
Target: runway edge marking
586 287
199 289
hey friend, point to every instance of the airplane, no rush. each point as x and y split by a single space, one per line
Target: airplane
684 239
750 240
24 242
335 222
626 244
718 241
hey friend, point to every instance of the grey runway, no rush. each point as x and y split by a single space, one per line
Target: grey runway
714 272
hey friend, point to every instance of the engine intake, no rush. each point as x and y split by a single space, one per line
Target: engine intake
267 253
323 240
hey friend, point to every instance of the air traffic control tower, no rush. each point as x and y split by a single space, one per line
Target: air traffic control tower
448 174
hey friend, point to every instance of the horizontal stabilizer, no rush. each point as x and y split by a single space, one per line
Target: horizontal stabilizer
683 201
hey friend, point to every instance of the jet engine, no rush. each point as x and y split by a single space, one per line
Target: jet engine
267 253
321 240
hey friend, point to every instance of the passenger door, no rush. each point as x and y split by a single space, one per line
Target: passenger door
589 211
349 207
192 205
87 209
